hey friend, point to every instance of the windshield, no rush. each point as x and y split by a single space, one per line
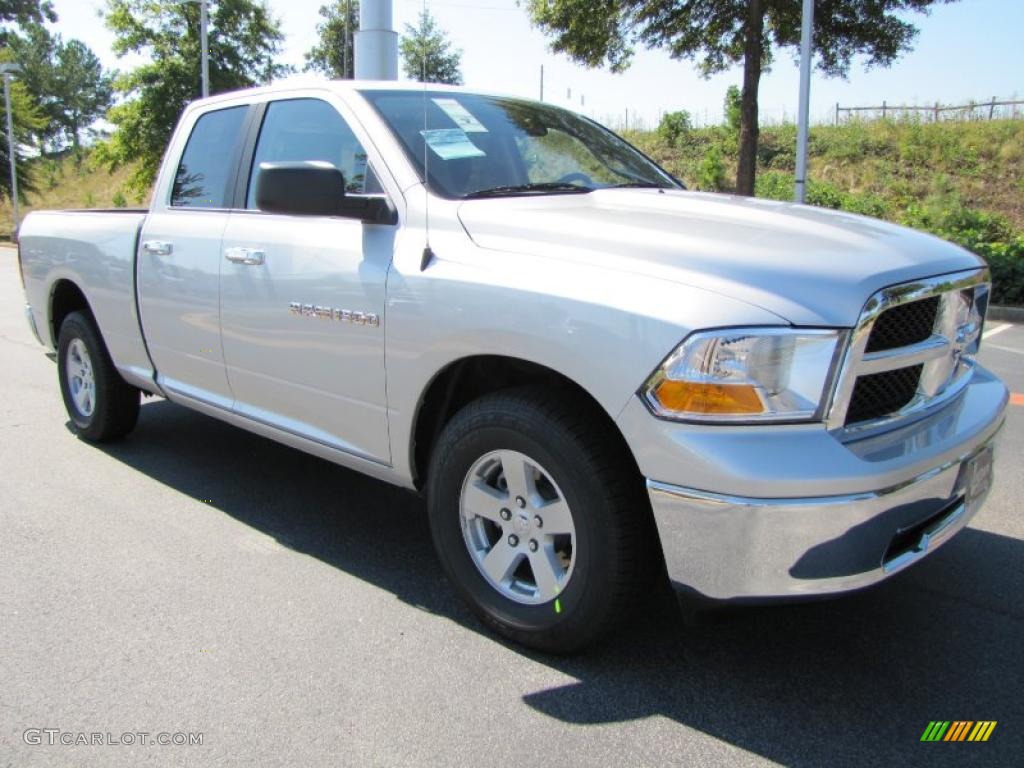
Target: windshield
481 146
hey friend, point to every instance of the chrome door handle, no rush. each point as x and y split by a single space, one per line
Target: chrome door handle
158 247
251 256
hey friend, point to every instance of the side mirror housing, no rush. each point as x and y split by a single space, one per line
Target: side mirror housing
316 188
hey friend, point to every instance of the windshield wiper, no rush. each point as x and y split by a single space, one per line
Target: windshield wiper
527 189
637 185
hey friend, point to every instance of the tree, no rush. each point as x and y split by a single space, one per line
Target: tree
84 89
334 54
243 39
674 126
23 13
27 121
427 56
718 34
67 82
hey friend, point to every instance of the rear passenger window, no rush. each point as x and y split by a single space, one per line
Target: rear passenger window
296 130
208 163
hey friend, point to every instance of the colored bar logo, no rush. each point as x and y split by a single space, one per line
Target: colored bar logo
959 730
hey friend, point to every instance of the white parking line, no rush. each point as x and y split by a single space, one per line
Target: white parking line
998 329
1004 349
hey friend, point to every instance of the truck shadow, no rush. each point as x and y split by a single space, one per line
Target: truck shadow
845 682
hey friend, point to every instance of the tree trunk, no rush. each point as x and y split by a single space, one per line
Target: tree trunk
752 52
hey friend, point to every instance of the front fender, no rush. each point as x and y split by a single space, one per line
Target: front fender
604 330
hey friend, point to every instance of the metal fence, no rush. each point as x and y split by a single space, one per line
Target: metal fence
993 109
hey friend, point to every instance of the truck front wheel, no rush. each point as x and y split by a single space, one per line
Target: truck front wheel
537 518
101 405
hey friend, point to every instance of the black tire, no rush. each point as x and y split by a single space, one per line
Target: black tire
115 408
600 483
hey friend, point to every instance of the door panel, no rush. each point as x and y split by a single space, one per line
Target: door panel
314 373
179 261
179 303
296 357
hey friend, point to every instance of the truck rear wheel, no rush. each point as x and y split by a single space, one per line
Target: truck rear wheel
101 405
538 518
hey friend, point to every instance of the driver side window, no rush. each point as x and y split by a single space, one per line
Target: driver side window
297 130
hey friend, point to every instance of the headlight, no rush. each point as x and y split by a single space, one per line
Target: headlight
745 374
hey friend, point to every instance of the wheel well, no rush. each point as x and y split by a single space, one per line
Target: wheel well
470 378
65 299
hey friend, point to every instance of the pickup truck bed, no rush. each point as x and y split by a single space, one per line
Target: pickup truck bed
93 252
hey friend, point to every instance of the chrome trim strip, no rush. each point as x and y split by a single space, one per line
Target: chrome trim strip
937 533
903 357
857 362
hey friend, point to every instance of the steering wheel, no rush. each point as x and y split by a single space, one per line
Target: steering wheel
569 178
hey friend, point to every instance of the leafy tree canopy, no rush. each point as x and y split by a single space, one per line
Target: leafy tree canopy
67 81
427 55
22 13
27 121
334 53
718 34
243 38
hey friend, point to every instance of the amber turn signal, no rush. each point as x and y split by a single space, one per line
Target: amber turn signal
691 397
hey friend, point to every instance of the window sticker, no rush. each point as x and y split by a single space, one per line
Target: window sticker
451 143
461 116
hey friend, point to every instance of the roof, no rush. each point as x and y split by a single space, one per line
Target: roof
317 81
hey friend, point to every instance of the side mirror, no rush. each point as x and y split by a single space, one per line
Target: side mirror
316 188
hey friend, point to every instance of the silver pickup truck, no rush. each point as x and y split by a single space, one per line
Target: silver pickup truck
596 377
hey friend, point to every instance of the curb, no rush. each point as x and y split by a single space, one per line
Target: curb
1006 314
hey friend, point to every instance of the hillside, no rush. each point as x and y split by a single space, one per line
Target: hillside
69 182
961 180
883 167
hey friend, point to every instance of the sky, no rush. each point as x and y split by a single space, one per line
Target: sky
970 50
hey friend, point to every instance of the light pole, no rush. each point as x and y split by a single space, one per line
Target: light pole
345 42
204 43
806 53
8 69
376 48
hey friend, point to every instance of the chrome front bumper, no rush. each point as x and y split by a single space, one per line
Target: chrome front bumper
727 547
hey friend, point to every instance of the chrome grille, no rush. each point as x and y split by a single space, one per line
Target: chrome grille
879 394
912 349
904 324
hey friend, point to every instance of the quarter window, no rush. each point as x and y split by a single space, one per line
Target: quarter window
208 163
296 130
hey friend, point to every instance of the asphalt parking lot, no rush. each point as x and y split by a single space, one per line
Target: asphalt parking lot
198 579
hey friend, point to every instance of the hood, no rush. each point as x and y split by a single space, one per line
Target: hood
811 266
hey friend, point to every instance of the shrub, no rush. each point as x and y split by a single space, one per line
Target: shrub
712 171
1006 261
988 235
119 200
733 110
673 126
774 185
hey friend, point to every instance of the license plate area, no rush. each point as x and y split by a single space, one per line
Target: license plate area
977 477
